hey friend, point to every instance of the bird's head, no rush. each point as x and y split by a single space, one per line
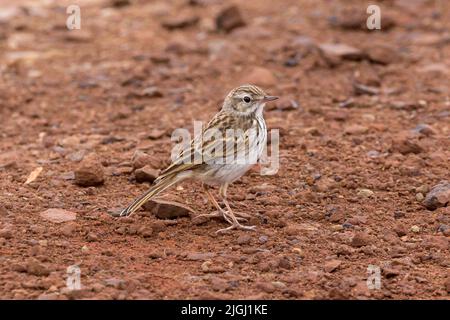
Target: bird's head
246 100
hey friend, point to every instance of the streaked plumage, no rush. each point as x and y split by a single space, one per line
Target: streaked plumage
242 111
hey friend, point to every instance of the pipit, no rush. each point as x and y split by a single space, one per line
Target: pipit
241 139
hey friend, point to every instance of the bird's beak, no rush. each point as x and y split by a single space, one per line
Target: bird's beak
269 98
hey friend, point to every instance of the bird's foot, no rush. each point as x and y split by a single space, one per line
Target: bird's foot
236 226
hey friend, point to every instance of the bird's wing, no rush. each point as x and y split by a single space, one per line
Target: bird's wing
212 147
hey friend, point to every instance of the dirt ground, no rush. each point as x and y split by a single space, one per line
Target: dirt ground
364 136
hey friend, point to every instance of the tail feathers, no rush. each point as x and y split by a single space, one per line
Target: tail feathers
153 191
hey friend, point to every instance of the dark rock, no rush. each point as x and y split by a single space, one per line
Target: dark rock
167 209
146 174
439 196
180 22
34 267
90 173
229 18
360 239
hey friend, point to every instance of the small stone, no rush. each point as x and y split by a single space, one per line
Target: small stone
68 229
78 36
447 285
298 251
3 211
382 54
332 265
439 196
85 249
400 230
146 232
365 193
355 129
419 197
58 215
6 233
415 229
141 159
423 189
263 239
229 19
151 92
424 130
334 52
267 287
180 22
89 173
116 283
92 237
360 239
156 134
119 3
34 267
285 263
198 256
244 239
146 174
260 76
405 145
163 209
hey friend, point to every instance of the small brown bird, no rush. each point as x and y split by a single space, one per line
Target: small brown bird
242 113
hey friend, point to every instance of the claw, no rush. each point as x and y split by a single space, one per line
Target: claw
236 226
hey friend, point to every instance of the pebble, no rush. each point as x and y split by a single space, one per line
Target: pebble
405 145
229 19
90 173
198 256
285 263
355 129
419 197
244 239
425 130
68 229
360 239
34 267
163 209
145 232
146 174
6 233
382 54
180 22
365 193
92 237
141 159
58 215
334 52
263 239
447 285
267 287
439 196
116 283
415 229
332 265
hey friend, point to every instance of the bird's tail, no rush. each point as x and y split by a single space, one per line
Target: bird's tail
154 190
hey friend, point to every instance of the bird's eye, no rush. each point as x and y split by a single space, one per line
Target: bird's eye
247 99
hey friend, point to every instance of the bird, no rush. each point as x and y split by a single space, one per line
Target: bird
223 160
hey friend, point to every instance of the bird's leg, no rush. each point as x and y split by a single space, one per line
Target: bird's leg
234 221
220 212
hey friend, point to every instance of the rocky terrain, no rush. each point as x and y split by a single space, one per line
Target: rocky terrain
86 118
